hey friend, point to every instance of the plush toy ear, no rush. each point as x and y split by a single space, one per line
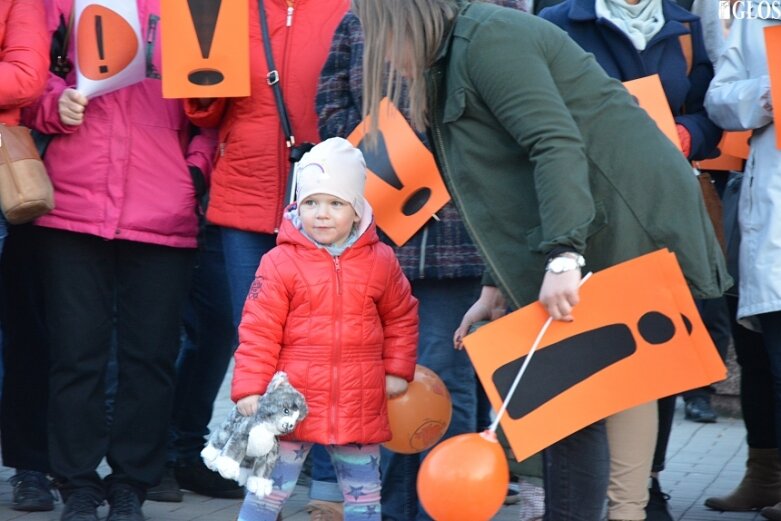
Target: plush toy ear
279 378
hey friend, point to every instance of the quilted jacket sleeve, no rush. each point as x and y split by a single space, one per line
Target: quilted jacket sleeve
24 54
260 331
399 314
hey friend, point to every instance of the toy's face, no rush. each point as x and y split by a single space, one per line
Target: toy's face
286 421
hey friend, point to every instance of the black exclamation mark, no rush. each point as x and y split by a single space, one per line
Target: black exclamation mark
99 35
378 161
204 14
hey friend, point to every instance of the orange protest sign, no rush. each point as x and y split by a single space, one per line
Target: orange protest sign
109 53
773 45
734 149
403 186
636 337
205 48
649 93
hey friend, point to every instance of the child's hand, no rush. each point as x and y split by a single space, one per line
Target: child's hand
248 405
395 386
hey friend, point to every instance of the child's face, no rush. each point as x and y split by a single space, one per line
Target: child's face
327 218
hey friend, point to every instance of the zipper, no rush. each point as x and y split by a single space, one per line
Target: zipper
456 196
289 20
336 348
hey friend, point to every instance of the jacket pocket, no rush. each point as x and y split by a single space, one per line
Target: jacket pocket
454 106
534 236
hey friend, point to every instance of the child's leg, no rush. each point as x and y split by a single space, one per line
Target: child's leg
358 471
284 476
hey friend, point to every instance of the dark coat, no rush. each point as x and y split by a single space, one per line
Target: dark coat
663 56
540 148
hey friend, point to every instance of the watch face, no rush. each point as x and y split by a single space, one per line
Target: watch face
562 264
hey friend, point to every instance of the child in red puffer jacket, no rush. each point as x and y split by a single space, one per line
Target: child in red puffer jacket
330 307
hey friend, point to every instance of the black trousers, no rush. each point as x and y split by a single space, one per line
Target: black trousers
95 287
25 355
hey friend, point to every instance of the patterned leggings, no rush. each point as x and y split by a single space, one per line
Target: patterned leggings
357 469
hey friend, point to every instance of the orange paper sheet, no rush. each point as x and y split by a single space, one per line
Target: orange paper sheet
636 337
404 186
205 48
650 95
773 45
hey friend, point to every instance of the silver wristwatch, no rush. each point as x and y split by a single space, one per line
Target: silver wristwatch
565 262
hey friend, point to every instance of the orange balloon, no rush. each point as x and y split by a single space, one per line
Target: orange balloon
464 478
419 417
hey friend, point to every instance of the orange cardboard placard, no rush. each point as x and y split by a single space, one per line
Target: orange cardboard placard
773 45
403 184
734 149
649 93
205 48
636 337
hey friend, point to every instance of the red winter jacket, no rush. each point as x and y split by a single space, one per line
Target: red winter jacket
249 178
24 56
337 326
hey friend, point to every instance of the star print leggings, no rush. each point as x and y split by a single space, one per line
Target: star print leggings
357 470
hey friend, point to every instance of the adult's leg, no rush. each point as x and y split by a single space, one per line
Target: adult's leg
358 471
442 303
576 476
152 283
25 356
285 474
771 334
243 251
78 274
631 437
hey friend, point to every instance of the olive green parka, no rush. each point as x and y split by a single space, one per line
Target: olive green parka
541 149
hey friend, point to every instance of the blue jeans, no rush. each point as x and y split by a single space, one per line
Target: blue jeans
442 304
243 251
208 341
576 471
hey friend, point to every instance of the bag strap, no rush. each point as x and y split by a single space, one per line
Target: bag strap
6 157
686 46
272 78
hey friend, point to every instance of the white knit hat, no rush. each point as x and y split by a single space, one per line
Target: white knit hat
333 167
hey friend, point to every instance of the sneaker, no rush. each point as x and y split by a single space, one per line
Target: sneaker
32 491
656 509
532 501
199 479
167 490
124 504
81 506
325 510
699 410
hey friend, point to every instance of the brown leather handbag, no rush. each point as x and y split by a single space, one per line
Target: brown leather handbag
26 191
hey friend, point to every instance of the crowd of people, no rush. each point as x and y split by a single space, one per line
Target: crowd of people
172 247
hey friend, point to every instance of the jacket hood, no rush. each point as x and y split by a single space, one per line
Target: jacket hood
290 232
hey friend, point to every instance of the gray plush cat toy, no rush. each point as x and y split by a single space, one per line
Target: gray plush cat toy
245 448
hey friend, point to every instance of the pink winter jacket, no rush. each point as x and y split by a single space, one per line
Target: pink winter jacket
123 173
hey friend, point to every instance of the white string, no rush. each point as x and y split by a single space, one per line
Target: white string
514 386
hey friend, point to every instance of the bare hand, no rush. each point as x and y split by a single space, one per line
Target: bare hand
248 405
71 106
489 306
559 294
395 386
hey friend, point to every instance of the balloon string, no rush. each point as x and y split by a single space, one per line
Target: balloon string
514 386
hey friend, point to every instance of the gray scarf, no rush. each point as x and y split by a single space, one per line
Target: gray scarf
640 22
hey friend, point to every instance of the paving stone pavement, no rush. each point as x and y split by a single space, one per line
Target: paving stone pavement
703 460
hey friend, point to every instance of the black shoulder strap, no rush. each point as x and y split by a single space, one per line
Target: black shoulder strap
272 78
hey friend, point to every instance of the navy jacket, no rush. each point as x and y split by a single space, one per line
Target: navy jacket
663 55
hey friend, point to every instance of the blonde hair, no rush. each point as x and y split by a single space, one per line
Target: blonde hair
401 39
